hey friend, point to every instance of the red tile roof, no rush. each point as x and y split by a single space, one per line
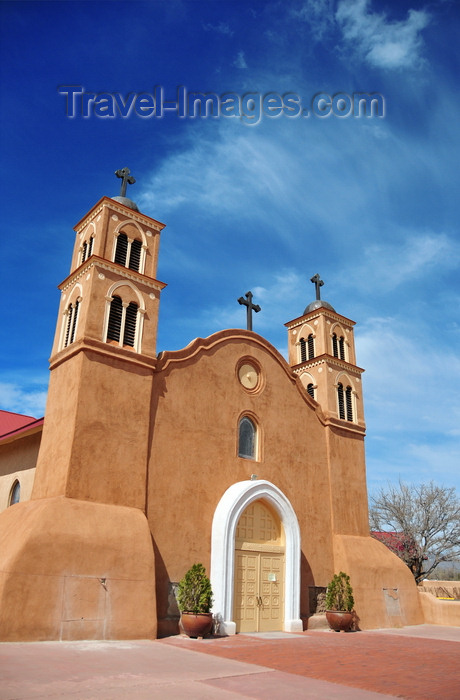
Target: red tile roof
16 422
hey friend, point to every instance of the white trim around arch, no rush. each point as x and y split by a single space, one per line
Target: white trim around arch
229 509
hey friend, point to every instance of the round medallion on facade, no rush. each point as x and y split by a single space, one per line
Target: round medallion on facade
249 375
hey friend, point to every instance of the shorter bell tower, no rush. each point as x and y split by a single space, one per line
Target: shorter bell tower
322 353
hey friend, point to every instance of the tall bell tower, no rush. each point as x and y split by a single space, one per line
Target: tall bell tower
102 359
83 543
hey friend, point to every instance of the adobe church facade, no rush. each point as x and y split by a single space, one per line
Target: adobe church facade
221 453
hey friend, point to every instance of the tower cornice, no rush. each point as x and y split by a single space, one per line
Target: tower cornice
121 209
101 263
328 360
316 314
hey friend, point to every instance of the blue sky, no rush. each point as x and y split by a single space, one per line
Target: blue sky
370 203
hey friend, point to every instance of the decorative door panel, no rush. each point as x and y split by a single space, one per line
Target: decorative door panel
258 597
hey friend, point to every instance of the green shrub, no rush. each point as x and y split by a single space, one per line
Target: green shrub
194 593
339 594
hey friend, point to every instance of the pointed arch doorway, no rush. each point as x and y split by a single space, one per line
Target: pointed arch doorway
258 590
227 515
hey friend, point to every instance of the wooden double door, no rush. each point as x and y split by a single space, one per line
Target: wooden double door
259 591
258 601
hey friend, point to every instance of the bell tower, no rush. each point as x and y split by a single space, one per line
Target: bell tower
322 353
82 542
103 359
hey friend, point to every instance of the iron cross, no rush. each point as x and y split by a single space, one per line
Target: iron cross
250 307
127 179
318 282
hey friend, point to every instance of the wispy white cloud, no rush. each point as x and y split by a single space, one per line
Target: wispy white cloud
405 367
283 291
318 14
411 257
220 28
19 398
240 61
378 40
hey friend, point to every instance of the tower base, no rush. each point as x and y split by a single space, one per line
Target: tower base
76 570
384 589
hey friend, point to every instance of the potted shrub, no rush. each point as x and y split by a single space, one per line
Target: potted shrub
339 603
194 597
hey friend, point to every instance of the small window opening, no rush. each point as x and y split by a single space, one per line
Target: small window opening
349 403
246 438
129 334
311 347
135 256
303 350
15 493
340 398
71 327
311 390
115 318
122 322
121 249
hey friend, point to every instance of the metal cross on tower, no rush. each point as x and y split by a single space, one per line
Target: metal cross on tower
127 179
250 307
318 282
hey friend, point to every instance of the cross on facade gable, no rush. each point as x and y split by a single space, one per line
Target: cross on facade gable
127 179
250 307
318 282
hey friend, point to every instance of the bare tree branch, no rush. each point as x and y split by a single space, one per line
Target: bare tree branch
421 524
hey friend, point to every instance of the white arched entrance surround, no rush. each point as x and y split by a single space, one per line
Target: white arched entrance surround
229 509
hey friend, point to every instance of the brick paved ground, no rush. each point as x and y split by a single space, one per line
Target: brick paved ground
403 666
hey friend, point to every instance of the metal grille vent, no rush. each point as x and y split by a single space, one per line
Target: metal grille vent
135 256
115 317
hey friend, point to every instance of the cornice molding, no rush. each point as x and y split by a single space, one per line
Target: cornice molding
329 360
307 318
106 349
101 263
107 202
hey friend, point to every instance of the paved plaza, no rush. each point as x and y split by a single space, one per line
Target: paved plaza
420 662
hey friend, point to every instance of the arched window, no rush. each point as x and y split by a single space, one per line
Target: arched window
338 346
345 402
340 400
303 350
121 249
129 335
349 403
135 256
128 252
122 322
247 438
311 347
86 250
15 493
311 390
71 327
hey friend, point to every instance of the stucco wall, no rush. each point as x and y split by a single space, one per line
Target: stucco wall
197 403
17 462
75 570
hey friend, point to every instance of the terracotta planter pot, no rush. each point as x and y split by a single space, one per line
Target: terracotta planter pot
339 620
196 624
